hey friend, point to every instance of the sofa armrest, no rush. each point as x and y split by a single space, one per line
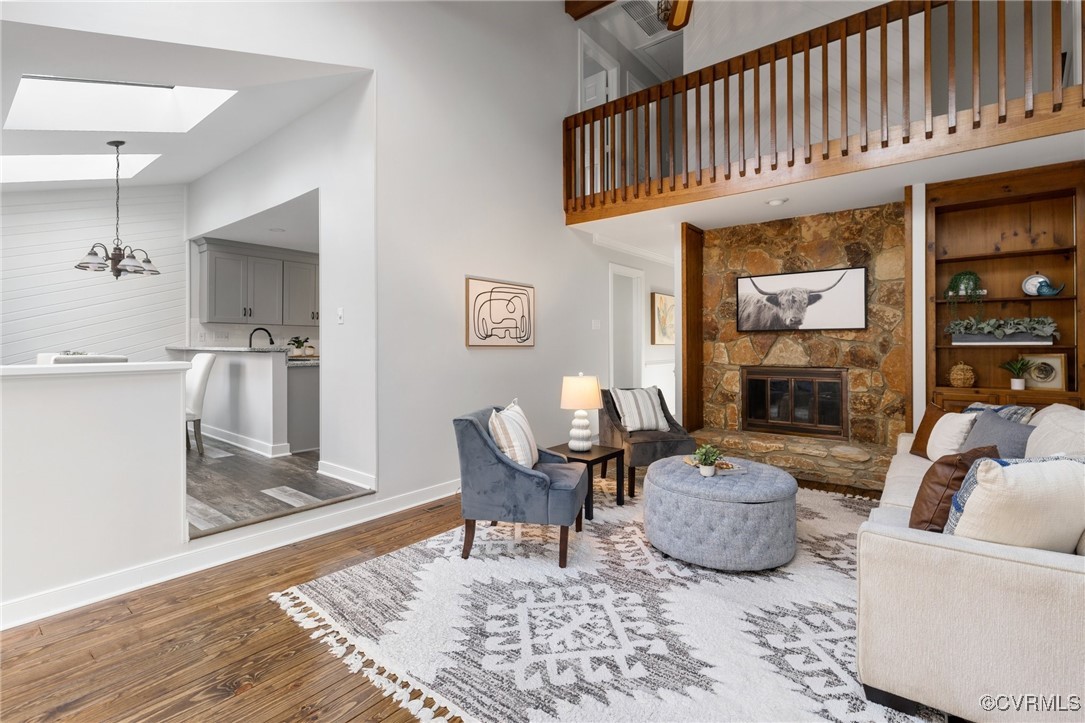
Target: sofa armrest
904 442
993 619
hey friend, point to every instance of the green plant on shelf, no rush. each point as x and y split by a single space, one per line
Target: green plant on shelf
297 342
1017 367
1040 326
706 455
964 286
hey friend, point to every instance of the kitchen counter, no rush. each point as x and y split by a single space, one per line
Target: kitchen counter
292 362
256 349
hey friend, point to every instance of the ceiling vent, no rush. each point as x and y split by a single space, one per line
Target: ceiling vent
643 13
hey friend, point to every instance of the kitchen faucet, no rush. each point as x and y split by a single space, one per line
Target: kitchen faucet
270 341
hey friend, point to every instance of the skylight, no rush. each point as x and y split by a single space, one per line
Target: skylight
44 103
91 167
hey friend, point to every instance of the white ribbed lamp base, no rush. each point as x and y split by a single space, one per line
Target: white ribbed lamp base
580 434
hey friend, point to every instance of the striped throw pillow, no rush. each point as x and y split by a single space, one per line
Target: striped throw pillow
640 409
513 436
1010 412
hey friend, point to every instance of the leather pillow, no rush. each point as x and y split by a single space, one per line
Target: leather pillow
932 503
923 434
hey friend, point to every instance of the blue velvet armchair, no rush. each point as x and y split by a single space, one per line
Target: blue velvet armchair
495 488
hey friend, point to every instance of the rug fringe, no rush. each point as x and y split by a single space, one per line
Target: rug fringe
397 685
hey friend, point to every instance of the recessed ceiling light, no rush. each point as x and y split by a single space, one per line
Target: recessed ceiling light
777 201
277 230
44 103
90 167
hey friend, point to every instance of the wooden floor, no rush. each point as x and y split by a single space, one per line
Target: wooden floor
208 646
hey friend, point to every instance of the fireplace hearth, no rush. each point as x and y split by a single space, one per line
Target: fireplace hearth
809 401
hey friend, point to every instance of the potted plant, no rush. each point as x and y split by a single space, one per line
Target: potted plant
1032 330
299 345
1017 369
964 285
705 457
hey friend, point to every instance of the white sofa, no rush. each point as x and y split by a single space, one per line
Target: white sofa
944 620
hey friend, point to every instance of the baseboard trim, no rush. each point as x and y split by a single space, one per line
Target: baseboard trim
346 474
205 552
252 445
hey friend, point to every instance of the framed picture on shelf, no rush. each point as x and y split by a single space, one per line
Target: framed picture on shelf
830 299
500 313
662 319
1048 371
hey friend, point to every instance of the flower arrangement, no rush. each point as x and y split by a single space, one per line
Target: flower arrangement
297 342
706 455
1039 326
1017 367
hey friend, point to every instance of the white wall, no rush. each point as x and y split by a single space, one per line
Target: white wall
50 306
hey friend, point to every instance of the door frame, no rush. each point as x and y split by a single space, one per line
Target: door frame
587 46
637 275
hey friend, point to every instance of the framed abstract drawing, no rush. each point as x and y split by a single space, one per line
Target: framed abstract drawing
500 313
662 319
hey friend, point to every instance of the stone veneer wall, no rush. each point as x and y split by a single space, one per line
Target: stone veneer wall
877 358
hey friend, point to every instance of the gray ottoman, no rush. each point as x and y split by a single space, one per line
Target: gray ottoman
734 522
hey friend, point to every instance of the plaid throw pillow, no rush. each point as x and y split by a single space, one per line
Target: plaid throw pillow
513 436
1009 412
640 409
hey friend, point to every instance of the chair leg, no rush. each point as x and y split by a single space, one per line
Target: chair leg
580 520
188 441
563 547
198 433
632 481
468 537
604 470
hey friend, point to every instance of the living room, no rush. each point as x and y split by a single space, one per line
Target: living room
412 203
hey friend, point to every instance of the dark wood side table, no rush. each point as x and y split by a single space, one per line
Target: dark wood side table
593 456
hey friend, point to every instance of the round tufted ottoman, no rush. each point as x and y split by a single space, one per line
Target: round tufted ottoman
734 522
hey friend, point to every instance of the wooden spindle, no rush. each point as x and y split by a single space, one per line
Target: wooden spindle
1029 94
825 91
659 136
906 75
928 106
806 154
685 132
975 63
712 121
566 161
862 84
583 162
843 87
741 115
670 130
884 43
636 147
591 158
625 145
790 104
613 155
757 112
951 28
727 124
772 108
1056 56
648 141
1001 61
697 103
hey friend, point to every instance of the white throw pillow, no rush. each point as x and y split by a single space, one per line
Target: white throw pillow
513 436
1060 431
640 409
949 434
1038 504
1049 410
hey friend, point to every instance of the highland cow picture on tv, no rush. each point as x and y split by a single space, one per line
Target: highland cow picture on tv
805 301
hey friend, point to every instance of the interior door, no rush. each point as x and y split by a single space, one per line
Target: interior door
227 295
595 91
299 294
265 291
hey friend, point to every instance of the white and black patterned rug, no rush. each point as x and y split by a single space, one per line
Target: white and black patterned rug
624 633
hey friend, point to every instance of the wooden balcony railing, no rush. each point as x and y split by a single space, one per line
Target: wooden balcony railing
787 112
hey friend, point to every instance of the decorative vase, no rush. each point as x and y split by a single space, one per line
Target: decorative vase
310 351
1017 384
707 470
962 375
294 351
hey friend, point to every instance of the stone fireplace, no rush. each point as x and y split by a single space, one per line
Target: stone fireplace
806 401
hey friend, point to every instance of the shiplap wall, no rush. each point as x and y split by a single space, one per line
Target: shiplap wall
47 305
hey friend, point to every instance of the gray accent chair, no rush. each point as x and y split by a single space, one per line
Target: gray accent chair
644 447
495 488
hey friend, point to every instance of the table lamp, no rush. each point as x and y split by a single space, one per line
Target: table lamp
580 393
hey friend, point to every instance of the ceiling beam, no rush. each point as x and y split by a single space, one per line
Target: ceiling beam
578 9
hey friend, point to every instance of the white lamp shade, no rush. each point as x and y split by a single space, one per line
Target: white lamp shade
131 265
149 268
581 392
92 262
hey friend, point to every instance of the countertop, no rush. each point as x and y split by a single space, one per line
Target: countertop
292 362
256 349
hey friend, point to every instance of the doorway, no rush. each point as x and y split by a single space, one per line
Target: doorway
626 326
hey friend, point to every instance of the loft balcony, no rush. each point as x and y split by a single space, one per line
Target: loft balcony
902 82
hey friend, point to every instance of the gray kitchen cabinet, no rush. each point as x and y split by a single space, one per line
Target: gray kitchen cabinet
265 285
226 290
300 294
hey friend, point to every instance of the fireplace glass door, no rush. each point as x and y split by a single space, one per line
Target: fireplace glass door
791 400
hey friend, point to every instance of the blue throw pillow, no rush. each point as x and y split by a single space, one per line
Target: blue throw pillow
991 429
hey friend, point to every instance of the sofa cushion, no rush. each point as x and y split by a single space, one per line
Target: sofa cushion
1009 412
949 434
1037 504
902 480
991 429
513 436
1060 431
640 409
1049 410
926 425
932 503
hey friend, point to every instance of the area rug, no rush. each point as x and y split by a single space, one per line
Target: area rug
624 633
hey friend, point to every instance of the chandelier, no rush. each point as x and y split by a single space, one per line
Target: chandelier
120 260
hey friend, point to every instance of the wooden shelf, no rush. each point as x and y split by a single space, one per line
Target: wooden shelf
1060 297
980 391
1038 348
1006 255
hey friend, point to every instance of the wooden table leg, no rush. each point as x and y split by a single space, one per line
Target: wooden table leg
589 501
621 478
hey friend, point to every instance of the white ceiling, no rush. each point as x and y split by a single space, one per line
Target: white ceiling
654 234
297 218
272 92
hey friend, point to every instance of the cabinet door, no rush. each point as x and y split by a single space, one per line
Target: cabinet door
265 291
299 294
956 401
226 295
